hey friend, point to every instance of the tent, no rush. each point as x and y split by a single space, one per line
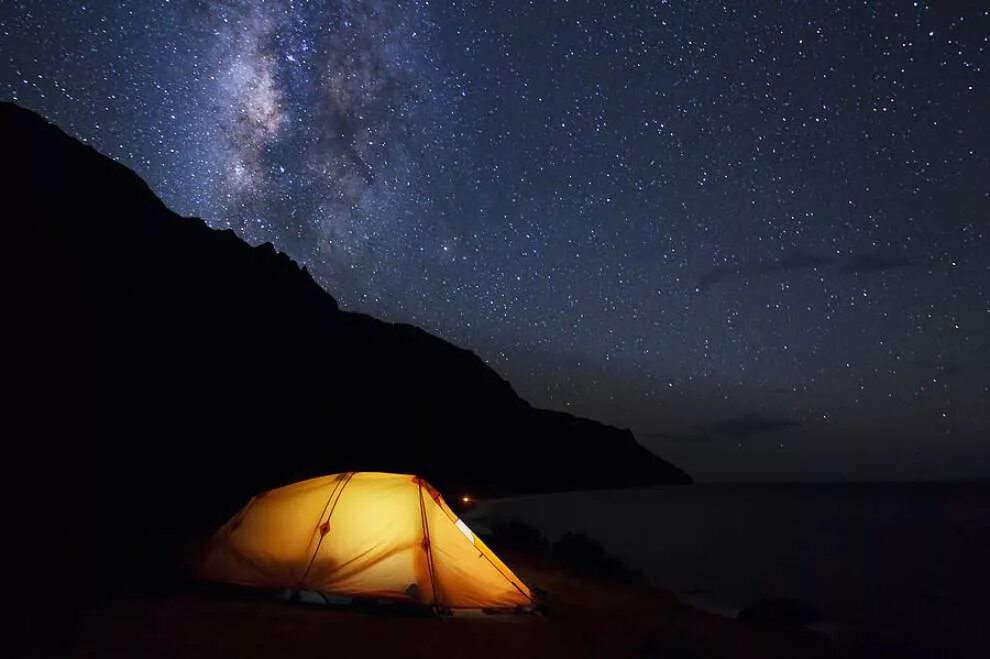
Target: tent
362 534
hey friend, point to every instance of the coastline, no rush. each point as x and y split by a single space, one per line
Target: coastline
885 565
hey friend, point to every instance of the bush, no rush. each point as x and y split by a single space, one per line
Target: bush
516 535
584 557
574 553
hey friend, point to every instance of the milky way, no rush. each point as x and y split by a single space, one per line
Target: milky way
318 121
757 237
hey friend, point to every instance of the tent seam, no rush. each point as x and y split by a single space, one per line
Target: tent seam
339 492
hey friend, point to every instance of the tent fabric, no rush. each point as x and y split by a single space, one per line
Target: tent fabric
362 534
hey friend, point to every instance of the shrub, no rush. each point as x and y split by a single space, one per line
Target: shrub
516 535
582 556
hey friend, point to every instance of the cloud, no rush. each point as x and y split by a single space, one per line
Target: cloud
793 261
869 263
717 274
796 261
748 425
680 438
739 427
950 368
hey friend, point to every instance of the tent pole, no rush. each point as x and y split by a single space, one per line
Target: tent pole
429 545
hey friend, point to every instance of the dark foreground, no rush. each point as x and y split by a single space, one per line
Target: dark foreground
585 618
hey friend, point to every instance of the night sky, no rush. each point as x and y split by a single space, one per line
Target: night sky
759 238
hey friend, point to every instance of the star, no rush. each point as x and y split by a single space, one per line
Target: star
781 214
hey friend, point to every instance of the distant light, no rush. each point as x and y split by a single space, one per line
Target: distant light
465 499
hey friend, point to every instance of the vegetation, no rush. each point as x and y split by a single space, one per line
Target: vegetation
575 553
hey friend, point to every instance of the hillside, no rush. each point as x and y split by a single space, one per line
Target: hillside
166 371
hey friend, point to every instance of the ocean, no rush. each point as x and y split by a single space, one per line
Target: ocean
907 561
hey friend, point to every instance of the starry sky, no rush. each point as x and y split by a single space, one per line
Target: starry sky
756 236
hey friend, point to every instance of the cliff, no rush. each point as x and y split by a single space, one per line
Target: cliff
166 371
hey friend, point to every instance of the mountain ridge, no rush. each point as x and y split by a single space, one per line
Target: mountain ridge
156 354
285 285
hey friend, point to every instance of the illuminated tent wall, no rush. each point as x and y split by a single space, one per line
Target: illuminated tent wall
362 534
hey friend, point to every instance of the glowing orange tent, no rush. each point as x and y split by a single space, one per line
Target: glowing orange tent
362 534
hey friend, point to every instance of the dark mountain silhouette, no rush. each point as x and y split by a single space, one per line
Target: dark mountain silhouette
166 371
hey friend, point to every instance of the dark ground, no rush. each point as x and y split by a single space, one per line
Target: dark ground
586 618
